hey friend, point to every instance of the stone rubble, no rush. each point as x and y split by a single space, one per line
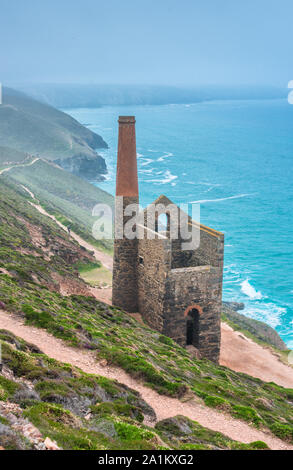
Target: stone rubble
13 413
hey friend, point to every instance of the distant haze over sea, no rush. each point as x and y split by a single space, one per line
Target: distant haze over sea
94 95
235 158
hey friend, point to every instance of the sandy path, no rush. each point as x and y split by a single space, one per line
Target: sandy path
238 353
18 166
104 258
164 407
104 295
244 355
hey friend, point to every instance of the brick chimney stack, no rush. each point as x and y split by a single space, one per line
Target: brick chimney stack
126 179
124 285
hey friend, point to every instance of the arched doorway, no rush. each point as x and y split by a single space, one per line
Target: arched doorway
192 327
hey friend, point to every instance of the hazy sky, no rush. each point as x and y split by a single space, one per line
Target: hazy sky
147 41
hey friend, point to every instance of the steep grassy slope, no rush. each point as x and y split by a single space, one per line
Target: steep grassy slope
83 411
28 126
8 155
156 360
66 196
26 290
33 249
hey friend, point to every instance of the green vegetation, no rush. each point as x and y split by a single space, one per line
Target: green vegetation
247 414
65 196
28 290
189 435
88 412
33 248
8 156
95 274
217 402
84 322
283 431
29 126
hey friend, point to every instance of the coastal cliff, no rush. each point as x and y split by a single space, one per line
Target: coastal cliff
31 128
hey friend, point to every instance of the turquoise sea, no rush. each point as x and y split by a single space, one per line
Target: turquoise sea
235 158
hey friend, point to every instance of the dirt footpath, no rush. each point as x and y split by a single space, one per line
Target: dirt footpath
164 407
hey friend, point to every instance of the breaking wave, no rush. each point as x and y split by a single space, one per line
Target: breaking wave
250 291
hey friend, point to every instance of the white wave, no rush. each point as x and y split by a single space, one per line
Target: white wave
269 313
250 291
163 157
139 155
202 201
146 161
146 171
168 177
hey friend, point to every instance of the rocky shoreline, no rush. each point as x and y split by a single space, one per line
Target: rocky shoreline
259 329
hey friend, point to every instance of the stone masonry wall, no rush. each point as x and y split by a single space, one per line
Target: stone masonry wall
124 283
210 251
200 286
153 265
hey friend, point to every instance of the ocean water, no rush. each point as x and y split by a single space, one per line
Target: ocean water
235 158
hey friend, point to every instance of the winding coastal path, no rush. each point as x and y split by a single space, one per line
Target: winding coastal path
19 166
163 406
238 352
104 258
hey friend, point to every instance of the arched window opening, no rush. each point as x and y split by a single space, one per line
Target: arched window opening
162 223
192 328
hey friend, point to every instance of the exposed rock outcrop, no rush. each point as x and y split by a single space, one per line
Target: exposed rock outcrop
92 168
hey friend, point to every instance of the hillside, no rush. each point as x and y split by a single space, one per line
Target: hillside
39 265
45 404
66 196
28 127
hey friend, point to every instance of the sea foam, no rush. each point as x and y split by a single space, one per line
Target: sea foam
168 177
250 291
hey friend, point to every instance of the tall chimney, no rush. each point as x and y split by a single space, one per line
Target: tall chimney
124 285
126 179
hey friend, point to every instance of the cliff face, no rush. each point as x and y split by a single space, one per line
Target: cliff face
92 168
29 127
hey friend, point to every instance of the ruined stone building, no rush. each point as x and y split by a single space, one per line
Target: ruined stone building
177 292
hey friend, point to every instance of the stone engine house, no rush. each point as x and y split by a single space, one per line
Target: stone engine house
177 292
